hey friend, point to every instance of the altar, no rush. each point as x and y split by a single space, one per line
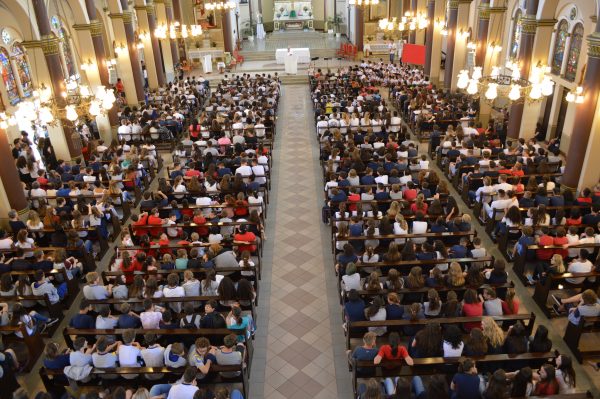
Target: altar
302 54
292 15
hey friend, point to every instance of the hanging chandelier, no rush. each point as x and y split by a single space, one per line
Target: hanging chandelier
43 110
218 6
175 31
363 3
409 22
506 82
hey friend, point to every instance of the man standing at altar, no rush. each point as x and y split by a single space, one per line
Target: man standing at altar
392 49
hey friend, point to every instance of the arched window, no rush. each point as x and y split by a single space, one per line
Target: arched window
23 69
560 41
64 37
516 35
8 77
574 51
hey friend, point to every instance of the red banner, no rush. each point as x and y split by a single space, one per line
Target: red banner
413 54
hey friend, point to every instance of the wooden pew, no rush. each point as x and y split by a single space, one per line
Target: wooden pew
541 292
34 343
356 329
573 335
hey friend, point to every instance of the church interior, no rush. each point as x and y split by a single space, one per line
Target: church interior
293 199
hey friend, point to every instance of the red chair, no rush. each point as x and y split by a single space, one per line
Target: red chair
342 50
239 59
351 54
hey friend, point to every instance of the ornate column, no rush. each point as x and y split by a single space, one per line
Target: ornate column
528 28
171 20
10 177
50 46
422 9
405 7
359 25
106 123
136 66
151 66
460 40
157 55
584 115
429 35
450 42
228 40
482 32
412 36
165 44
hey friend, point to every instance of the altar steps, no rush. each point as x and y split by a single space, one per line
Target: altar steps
270 55
293 79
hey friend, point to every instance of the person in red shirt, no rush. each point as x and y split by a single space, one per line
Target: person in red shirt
561 240
419 205
472 306
574 218
241 206
393 351
410 193
200 221
586 197
191 171
139 220
544 240
129 267
164 241
510 304
353 198
547 385
245 240
155 220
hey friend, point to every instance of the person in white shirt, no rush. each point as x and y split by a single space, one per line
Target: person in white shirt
124 131
259 172
395 122
128 352
419 226
322 125
244 169
502 184
500 203
150 317
186 388
580 265
82 353
153 355
173 290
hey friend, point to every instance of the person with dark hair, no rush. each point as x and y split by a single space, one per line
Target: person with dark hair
354 308
516 340
547 384
427 342
540 341
437 387
465 384
453 344
565 375
496 387
522 383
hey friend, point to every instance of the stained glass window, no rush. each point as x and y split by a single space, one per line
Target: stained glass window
560 41
574 51
8 77
23 69
62 33
516 36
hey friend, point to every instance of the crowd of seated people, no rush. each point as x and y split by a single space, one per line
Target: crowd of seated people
197 237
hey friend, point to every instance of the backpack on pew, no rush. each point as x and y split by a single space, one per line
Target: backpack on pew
326 214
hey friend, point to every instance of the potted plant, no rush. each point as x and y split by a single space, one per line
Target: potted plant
249 29
336 21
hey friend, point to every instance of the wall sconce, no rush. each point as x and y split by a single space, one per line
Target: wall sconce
87 65
120 49
463 34
471 45
576 97
144 36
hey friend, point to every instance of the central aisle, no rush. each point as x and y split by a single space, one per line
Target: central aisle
304 340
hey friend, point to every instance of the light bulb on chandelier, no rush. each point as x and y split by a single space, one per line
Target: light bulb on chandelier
515 92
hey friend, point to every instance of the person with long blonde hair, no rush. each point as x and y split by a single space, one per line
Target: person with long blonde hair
494 335
456 277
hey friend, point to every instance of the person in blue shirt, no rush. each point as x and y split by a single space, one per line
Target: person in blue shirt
460 250
345 257
55 358
381 194
354 308
393 310
368 177
83 320
465 384
367 351
127 318
337 196
524 241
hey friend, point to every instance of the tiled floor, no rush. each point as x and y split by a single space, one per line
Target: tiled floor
304 345
275 40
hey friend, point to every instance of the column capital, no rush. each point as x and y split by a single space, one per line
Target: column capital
529 24
168 3
497 10
159 1
50 45
484 11
125 16
465 1
546 22
141 8
430 2
453 4
150 10
594 45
